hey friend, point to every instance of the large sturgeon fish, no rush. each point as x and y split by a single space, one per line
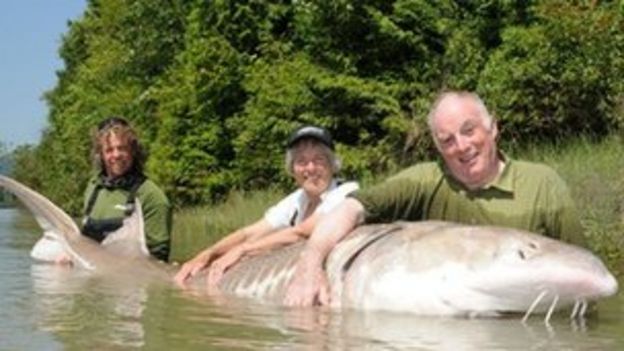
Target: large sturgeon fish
427 268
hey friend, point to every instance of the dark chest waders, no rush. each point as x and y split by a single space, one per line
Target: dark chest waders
98 229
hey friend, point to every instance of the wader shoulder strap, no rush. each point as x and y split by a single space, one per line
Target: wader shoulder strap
293 219
129 201
132 194
92 198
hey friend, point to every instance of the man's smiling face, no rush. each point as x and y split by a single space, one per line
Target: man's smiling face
116 154
466 140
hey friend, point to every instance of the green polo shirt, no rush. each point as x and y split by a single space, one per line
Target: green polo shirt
526 196
157 212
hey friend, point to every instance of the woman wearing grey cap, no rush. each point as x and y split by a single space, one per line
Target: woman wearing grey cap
311 160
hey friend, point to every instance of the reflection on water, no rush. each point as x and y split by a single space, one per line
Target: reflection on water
59 308
70 302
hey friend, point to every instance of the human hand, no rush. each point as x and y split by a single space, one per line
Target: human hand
307 287
192 267
218 267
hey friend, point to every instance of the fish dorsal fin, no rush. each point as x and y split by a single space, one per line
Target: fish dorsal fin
129 239
49 216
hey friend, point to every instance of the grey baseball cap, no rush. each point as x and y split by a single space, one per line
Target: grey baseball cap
313 132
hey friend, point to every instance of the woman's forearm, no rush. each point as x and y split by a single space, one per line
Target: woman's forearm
281 238
240 236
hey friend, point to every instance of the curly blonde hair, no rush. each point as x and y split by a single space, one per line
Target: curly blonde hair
119 127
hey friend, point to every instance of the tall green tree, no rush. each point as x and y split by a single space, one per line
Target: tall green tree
195 97
558 76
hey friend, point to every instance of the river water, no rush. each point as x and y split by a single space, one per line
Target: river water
46 307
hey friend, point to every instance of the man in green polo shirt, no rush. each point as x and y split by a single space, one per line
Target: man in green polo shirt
474 183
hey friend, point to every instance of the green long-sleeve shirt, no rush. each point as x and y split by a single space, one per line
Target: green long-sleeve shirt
526 196
157 212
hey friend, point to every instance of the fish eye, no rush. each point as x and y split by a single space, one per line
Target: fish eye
521 254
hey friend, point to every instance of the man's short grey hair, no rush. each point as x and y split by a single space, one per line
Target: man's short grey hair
291 153
483 112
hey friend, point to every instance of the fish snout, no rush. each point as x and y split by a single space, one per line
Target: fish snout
595 285
609 285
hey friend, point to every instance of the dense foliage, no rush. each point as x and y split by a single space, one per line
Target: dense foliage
215 87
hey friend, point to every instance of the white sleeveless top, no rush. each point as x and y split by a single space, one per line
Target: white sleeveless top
290 210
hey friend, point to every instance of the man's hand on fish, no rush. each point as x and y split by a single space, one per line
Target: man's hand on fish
309 286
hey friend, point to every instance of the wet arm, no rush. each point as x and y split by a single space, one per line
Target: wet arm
205 257
309 283
246 234
282 237
256 244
